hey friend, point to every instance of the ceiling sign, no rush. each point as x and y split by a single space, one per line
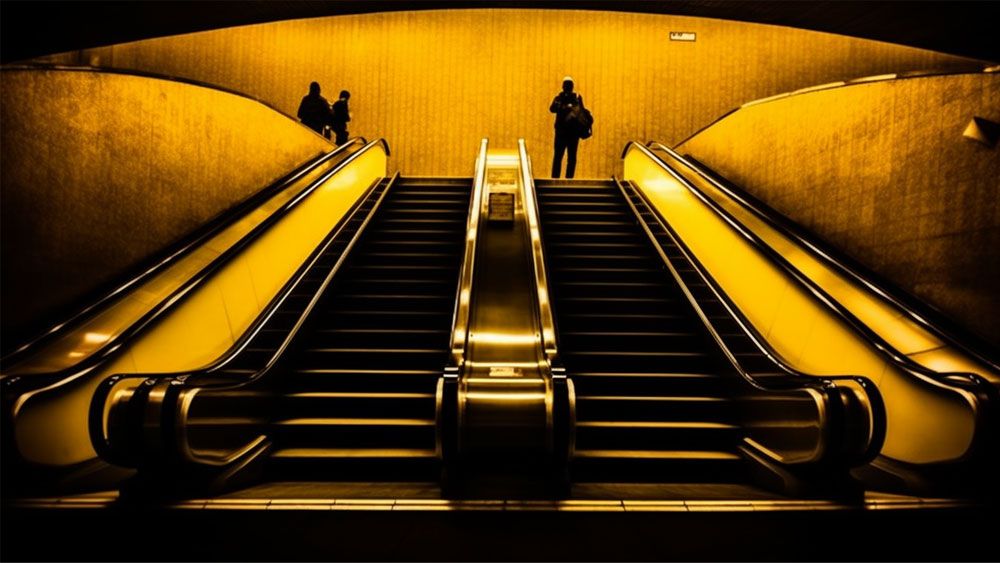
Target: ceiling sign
683 36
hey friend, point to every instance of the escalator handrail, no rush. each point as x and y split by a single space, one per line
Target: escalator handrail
161 309
208 376
463 296
543 297
915 310
175 253
973 389
795 379
951 380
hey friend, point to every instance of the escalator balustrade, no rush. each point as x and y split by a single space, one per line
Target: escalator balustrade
650 401
359 386
352 394
671 385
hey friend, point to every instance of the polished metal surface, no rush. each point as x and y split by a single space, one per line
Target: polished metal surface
503 392
825 420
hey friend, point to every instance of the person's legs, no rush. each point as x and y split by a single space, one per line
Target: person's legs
571 145
560 146
341 136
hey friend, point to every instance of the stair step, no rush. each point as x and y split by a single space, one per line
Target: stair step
373 453
358 395
655 424
355 422
696 455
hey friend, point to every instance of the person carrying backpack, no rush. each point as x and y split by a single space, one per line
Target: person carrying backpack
573 122
341 115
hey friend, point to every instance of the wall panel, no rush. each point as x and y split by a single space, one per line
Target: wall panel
101 171
881 171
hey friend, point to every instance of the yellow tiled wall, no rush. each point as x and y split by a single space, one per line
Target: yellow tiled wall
435 82
881 170
102 170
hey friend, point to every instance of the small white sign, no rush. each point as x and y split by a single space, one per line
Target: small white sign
683 36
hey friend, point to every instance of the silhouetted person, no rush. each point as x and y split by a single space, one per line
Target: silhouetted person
567 135
314 111
341 116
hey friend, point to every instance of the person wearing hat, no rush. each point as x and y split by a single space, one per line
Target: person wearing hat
567 136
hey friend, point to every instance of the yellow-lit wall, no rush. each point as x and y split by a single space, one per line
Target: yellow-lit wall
435 82
881 170
100 171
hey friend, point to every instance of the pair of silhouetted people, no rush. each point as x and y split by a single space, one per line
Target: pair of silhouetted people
566 105
317 114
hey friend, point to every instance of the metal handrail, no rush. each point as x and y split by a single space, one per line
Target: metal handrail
942 379
463 306
795 379
548 324
888 351
216 225
183 385
830 259
973 389
188 288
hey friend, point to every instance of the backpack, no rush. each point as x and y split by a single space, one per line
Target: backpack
582 120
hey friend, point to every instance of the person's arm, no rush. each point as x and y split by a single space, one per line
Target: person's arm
556 106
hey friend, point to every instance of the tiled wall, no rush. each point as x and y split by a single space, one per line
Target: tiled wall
435 82
100 171
881 170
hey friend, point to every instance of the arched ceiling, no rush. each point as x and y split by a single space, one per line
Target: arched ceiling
34 28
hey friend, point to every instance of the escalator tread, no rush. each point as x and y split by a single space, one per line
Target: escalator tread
357 383
646 375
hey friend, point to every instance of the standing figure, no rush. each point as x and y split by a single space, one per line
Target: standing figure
341 115
567 132
314 111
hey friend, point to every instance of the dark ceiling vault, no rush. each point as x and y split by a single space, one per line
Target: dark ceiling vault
33 28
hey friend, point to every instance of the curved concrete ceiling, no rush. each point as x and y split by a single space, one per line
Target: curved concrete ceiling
35 28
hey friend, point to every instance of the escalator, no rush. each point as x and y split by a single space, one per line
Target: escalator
652 402
357 393
338 381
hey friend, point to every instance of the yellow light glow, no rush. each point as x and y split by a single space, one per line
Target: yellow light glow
527 365
96 337
924 425
875 78
501 338
487 396
52 427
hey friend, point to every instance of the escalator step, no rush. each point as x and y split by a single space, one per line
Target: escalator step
699 455
354 453
654 408
629 434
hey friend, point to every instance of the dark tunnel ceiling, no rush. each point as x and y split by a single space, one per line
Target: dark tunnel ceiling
36 28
